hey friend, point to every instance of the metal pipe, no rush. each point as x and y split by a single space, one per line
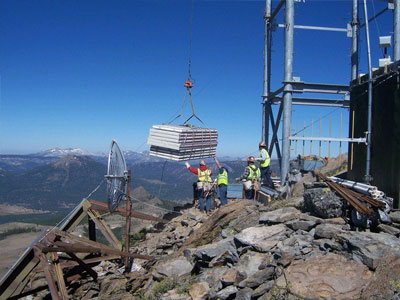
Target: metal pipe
396 30
277 9
354 46
368 177
267 72
287 94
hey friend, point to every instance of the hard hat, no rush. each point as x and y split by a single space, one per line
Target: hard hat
262 144
226 169
202 163
251 159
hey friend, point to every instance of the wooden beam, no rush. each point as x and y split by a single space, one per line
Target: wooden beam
67 247
71 237
47 273
102 226
59 276
101 206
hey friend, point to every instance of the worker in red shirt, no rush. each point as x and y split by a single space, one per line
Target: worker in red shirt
203 183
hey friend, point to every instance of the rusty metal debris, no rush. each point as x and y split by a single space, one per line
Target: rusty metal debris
360 202
52 246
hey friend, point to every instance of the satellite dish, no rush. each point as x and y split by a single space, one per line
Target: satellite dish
117 177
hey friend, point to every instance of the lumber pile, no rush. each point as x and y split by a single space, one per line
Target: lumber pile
185 142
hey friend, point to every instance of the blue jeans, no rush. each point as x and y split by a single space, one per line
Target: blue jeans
201 201
223 189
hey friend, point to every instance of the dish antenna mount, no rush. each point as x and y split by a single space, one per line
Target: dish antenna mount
117 177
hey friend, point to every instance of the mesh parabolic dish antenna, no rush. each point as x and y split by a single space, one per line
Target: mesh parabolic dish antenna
117 176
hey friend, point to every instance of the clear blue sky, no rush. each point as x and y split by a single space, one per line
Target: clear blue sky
80 73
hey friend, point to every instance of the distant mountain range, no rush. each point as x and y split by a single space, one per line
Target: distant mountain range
60 180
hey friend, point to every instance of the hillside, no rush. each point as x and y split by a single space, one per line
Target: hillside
61 182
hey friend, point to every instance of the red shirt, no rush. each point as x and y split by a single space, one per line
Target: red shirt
194 170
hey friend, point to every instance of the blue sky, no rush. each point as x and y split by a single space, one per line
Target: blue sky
80 73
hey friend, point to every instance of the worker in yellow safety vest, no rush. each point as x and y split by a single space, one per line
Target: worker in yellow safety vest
203 183
265 162
250 178
222 182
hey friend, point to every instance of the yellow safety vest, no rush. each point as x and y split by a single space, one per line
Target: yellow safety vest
223 178
254 173
204 175
265 163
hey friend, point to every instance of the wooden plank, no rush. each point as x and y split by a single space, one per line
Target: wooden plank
49 277
102 226
67 247
101 206
59 276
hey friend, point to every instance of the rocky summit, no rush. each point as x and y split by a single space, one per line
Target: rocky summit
246 250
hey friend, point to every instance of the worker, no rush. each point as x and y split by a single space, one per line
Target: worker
222 182
265 162
203 183
251 177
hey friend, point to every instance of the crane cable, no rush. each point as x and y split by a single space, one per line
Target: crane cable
189 83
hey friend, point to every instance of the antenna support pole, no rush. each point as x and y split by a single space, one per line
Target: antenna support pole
128 223
288 90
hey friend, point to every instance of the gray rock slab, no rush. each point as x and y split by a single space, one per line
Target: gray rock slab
395 216
327 231
326 277
258 278
262 238
262 289
250 262
244 294
369 247
389 229
280 215
301 224
226 292
208 252
177 267
199 291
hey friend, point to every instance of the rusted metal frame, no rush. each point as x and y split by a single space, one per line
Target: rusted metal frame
89 261
128 222
67 247
43 287
365 198
105 230
59 276
47 273
351 200
275 133
101 206
357 204
83 265
78 239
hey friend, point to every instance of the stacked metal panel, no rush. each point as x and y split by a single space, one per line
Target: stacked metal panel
181 143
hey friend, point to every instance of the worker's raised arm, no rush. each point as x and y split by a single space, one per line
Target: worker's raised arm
217 162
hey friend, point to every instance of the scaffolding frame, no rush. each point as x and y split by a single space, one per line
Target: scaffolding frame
284 95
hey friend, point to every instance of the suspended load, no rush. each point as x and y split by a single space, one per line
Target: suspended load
183 142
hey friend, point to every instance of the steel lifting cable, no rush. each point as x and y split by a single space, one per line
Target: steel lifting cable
189 82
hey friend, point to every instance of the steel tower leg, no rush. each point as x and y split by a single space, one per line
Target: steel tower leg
267 72
287 93
354 47
396 30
